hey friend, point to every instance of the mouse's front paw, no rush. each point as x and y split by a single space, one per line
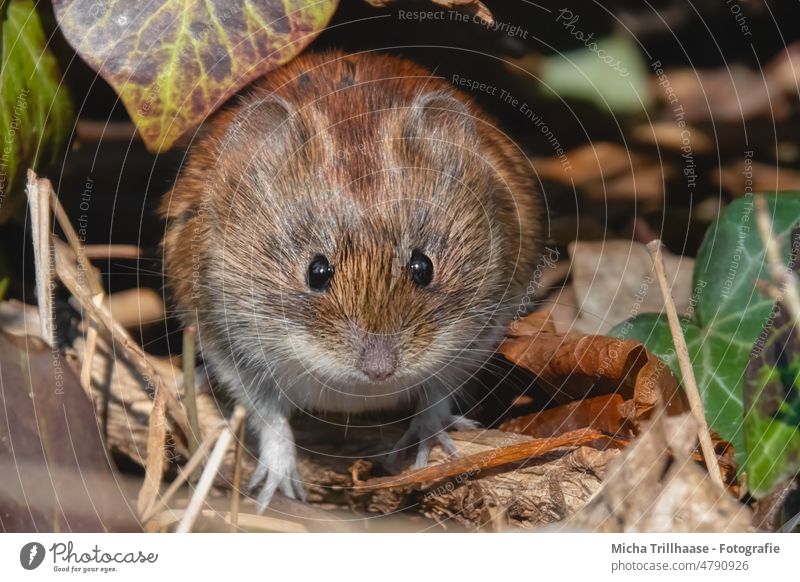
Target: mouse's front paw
277 467
424 437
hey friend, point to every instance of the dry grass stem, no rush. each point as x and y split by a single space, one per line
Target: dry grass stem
191 465
237 477
689 380
130 349
112 252
90 275
210 471
156 460
38 196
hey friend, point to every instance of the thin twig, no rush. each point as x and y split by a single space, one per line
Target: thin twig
190 388
191 465
112 252
210 471
37 191
237 478
130 349
782 276
156 460
682 351
105 131
163 397
472 464
89 350
91 276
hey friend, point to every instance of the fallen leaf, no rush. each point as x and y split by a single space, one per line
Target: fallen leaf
573 366
561 308
729 94
614 280
50 443
611 414
593 161
609 72
601 413
756 177
669 135
610 173
653 486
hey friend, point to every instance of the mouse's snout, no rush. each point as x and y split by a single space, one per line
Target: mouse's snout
377 359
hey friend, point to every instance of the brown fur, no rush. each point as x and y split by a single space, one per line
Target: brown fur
362 159
353 109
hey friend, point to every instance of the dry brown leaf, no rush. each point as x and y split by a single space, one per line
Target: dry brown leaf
596 161
653 486
609 174
645 186
670 136
573 366
62 477
760 177
730 93
536 322
545 490
561 308
613 277
601 413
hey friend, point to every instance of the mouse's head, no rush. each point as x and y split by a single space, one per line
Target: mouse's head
372 250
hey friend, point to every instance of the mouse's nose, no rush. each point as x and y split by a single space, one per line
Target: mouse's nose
376 359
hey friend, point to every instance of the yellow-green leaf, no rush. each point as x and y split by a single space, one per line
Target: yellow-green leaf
173 62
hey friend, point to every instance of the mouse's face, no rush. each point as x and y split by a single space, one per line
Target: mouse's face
380 267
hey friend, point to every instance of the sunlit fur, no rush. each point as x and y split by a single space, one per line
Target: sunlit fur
361 159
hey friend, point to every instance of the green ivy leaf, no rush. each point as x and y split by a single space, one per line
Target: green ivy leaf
728 311
36 115
173 62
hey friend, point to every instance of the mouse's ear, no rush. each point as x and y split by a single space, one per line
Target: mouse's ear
265 120
438 115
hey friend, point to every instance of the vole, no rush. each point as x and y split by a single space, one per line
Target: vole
352 234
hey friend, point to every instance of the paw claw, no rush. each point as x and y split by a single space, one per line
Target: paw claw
458 422
423 453
424 447
277 467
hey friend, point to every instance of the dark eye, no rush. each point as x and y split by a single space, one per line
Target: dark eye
421 269
320 273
